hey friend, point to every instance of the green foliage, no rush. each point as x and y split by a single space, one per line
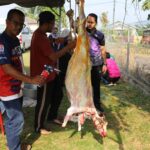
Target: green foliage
33 12
127 112
140 32
104 19
145 6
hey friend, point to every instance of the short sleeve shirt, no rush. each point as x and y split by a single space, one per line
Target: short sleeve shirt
10 53
40 51
96 40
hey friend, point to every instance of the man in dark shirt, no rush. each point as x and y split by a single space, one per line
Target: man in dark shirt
11 77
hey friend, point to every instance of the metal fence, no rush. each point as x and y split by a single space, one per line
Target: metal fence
133 60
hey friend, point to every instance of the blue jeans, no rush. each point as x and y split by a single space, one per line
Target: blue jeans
14 120
2 109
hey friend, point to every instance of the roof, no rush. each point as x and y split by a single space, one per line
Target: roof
31 3
118 26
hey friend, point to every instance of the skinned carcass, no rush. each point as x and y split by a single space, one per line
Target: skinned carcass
78 81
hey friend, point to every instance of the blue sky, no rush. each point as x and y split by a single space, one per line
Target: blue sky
134 14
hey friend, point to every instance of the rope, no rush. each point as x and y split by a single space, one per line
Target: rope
75 14
73 21
69 1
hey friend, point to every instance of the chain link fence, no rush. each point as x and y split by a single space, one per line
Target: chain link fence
133 60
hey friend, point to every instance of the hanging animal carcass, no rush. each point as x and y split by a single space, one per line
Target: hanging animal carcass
78 81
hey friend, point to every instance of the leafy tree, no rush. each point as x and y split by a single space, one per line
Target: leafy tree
33 12
145 5
104 19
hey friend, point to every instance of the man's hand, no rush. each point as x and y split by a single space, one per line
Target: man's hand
59 40
104 69
70 13
71 45
81 2
38 80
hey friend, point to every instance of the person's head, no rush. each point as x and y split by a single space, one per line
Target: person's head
107 55
91 21
47 19
15 22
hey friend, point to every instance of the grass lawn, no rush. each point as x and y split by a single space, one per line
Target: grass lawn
128 114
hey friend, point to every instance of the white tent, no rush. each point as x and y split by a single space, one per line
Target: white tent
31 3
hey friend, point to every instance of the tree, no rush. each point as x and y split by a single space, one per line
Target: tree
145 5
33 12
104 19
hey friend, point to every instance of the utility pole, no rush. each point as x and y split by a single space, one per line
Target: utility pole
114 8
128 52
124 14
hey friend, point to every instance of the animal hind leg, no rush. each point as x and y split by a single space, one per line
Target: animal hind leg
67 117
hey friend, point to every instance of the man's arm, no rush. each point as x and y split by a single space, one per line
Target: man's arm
56 55
10 70
60 40
103 52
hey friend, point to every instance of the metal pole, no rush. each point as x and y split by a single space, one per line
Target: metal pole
60 13
114 7
128 52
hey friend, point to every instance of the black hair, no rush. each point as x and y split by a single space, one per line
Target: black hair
14 11
107 55
46 17
94 16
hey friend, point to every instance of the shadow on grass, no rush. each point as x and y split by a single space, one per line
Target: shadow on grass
29 136
114 123
126 96
129 95
87 127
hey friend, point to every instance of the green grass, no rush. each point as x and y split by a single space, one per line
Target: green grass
26 59
128 115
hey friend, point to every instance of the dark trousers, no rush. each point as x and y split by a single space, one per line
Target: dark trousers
57 96
48 101
114 80
95 79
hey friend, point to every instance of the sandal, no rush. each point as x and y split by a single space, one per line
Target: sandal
45 132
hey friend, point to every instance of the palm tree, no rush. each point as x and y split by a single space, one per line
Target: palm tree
104 19
145 5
